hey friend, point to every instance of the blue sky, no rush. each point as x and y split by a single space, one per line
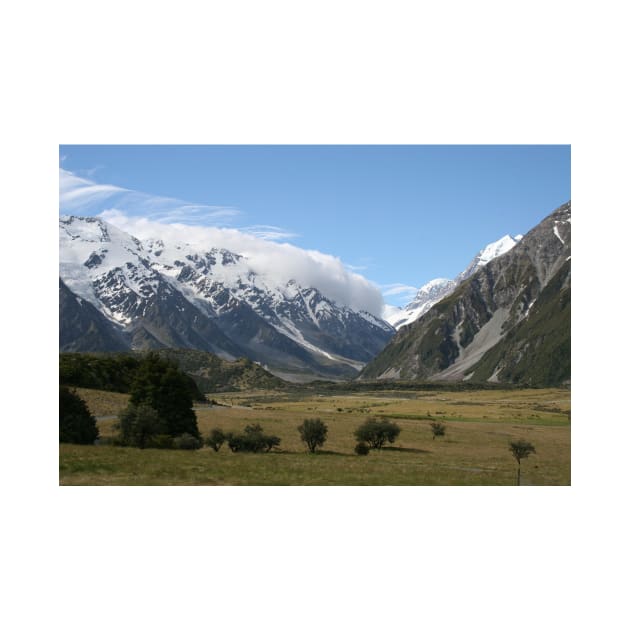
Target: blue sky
399 215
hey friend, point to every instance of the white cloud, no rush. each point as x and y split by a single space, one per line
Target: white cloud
278 262
390 312
79 194
149 216
402 290
268 232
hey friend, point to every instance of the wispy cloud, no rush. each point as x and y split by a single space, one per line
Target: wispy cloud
402 290
82 194
268 232
264 246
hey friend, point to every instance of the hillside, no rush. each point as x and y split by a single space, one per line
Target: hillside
123 293
115 371
213 374
508 322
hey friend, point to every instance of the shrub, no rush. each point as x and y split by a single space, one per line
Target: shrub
361 448
253 440
139 425
438 429
376 432
76 424
313 433
216 439
187 441
161 441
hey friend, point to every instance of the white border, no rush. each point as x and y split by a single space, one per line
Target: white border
286 72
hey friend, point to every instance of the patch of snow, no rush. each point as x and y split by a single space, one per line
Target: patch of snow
555 231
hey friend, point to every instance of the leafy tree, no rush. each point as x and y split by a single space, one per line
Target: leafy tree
159 384
253 440
313 433
376 432
76 424
140 425
438 429
521 449
361 448
216 439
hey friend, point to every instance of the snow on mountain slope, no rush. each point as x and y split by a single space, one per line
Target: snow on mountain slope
435 290
127 279
428 295
488 253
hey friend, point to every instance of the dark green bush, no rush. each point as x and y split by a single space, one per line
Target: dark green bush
313 433
376 432
361 448
187 441
438 429
252 440
161 441
76 424
139 425
216 439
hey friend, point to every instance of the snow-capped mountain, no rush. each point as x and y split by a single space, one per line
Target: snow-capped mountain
428 294
173 294
488 253
510 321
435 290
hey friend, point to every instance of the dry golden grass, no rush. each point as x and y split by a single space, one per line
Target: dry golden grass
474 450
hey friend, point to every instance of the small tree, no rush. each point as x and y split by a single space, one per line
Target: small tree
139 425
438 429
216 439
313 433
76 424
376 432
361 448
253 440
159 383
521 449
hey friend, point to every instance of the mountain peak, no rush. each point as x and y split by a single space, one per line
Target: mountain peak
438 288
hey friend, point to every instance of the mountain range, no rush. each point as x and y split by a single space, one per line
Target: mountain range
505 318
507 321
117 292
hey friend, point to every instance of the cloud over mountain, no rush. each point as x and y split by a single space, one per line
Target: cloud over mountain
278 262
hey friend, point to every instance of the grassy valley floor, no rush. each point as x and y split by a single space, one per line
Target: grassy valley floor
474 451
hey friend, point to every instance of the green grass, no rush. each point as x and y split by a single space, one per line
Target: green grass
473 452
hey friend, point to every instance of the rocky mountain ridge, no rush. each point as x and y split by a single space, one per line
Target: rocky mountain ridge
152 294
507 322
435 290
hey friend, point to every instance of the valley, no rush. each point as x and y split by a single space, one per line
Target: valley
474 450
